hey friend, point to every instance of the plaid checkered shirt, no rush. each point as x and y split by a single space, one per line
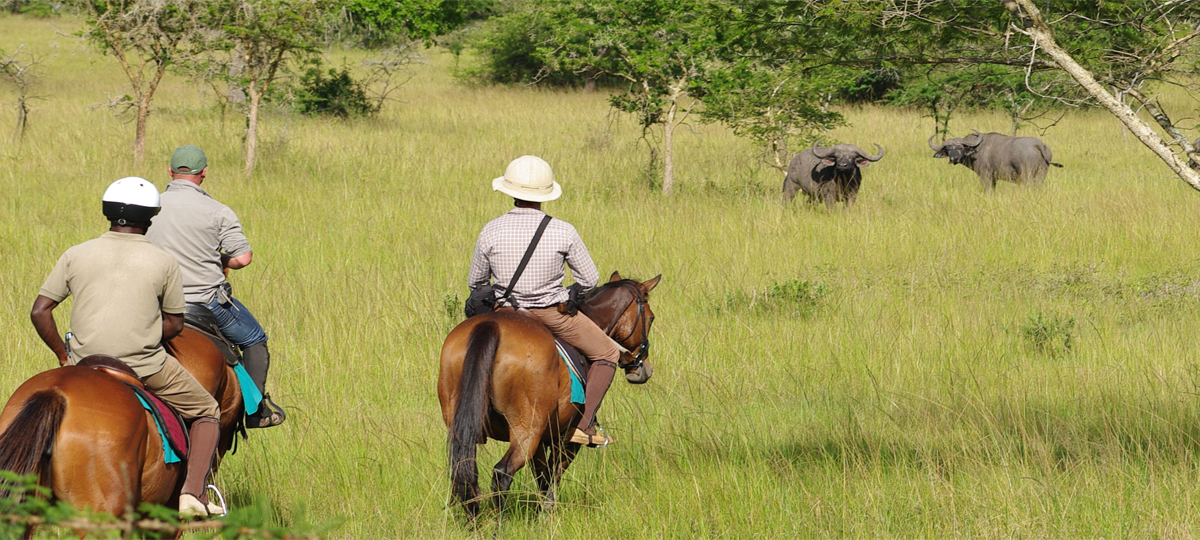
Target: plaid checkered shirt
503 242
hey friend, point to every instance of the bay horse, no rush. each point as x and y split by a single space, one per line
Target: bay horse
88 439
501 377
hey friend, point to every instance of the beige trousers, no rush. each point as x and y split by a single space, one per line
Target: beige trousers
182 391
580 332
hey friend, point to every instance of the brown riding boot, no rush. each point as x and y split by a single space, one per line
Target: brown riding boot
599 378
193 502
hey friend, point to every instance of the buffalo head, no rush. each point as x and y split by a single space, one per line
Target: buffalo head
959 149
845 156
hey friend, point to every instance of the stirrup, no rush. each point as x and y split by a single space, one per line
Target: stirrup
599 440
224 508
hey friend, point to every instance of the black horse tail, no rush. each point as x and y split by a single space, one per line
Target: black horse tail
474 397
25 446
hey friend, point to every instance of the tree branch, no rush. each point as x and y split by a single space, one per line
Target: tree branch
1038 30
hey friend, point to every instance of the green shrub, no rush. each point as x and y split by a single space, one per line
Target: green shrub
792 296
1052 335
334 93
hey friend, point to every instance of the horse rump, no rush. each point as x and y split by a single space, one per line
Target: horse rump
25 446
471 410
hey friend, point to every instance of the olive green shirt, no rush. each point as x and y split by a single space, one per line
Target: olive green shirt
121 284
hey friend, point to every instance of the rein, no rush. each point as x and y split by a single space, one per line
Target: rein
638 358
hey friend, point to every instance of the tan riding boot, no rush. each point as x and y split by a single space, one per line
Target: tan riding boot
599 378
193 500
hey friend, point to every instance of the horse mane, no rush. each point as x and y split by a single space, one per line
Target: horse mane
611 285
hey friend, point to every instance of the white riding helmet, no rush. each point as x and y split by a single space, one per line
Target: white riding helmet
130 200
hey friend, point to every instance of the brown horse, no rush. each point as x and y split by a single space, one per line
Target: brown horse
501 377
88 439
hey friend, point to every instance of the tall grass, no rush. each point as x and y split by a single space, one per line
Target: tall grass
867 373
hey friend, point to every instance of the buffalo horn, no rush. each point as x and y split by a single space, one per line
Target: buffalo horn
875 157
974 138
936 148
821 152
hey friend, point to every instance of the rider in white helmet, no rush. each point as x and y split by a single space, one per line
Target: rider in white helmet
128 301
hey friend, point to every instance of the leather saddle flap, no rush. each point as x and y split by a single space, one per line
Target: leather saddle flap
202 320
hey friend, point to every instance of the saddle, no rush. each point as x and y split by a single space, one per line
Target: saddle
170 423
577 365
202 320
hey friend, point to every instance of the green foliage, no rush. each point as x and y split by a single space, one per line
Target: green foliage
452 305
1052 335
377 23
332 93
23 502
791 296
40 9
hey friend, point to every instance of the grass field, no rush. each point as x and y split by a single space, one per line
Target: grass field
937 362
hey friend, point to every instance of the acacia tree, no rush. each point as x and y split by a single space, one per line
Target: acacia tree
21 73
257 42
145 37
661 48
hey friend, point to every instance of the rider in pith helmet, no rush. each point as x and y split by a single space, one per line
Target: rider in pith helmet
128 302
529 180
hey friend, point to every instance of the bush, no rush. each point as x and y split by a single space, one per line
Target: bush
1052 335
792 296
336 94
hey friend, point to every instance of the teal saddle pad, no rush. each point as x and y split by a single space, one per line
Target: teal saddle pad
577 365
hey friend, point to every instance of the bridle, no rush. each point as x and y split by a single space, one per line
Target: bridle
637 359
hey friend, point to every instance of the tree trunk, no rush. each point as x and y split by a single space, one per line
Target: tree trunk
252 126
668 156
1040 32
589 81
139 134
22 115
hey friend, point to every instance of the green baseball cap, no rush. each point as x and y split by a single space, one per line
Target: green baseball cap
188 160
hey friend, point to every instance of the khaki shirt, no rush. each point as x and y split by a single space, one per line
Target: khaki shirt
196 229
122 285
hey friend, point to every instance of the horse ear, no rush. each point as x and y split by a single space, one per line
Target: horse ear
650 284
616 276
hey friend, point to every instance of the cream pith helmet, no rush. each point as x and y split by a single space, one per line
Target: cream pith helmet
528 178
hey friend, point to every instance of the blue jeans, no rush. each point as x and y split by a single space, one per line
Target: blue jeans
236 322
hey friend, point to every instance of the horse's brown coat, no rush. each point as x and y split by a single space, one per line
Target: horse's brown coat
107 455
528 389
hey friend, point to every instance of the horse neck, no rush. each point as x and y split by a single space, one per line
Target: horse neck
606 306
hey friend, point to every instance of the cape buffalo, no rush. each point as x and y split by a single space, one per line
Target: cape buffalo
830 174
1022 160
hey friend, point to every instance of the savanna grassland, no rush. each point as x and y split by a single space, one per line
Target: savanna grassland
934 363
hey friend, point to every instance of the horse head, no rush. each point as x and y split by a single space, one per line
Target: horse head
621 308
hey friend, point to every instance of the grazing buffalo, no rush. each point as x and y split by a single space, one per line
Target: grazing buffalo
1022 160
829 174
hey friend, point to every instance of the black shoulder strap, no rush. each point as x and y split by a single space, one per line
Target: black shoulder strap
525 260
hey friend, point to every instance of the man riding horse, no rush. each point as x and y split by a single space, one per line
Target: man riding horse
539 290
206 238
128 302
